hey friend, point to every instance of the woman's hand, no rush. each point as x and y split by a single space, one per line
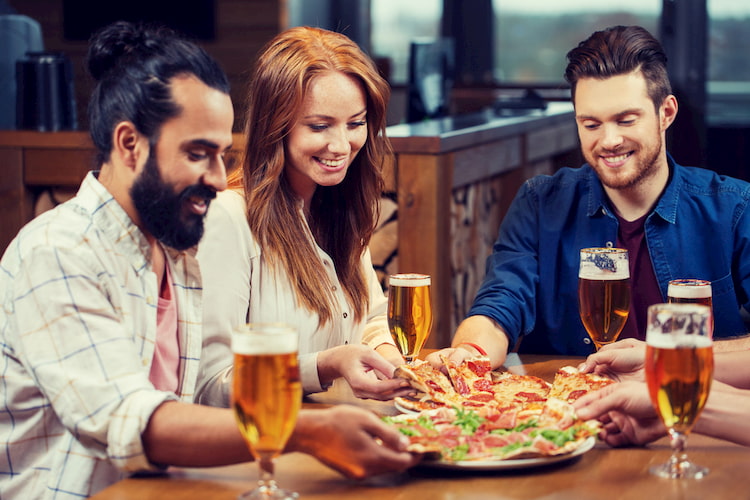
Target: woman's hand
368 373
625 411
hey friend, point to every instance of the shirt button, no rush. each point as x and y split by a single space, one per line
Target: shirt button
346 315
334 288
144 361
150 300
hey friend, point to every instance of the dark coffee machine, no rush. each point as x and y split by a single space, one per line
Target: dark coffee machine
45 99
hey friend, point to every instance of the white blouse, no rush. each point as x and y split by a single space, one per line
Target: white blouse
239 287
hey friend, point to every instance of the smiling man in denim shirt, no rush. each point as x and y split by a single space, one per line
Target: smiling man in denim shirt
675 221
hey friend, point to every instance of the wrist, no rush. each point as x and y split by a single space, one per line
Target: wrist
472 348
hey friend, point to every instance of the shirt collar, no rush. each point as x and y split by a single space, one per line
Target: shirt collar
597 202
666 206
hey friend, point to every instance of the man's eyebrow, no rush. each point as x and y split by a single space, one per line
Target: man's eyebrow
206 143
619 114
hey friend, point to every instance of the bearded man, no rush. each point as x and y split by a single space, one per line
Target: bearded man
101 317
675 221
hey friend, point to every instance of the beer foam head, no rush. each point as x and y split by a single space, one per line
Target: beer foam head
409 280
671 326
269 338
689 289
677 341
604 264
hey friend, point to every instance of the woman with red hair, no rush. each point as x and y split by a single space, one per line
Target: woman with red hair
288 242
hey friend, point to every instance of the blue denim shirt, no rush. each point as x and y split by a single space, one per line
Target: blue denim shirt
699 229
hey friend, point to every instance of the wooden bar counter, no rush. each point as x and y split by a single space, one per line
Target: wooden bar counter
601 473
454 180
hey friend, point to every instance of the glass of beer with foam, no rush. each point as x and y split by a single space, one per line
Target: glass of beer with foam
604 293
679 368
266 396
689 290
409 312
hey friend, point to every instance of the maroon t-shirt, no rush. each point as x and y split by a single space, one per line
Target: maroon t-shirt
643 285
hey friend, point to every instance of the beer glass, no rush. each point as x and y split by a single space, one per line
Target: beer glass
409 312
689 290
679 369
603 293
266 396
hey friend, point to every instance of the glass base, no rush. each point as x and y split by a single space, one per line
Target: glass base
679 470
269 493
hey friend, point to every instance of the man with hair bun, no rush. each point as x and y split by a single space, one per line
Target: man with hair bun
101 316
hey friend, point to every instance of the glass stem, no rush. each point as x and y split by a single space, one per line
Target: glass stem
678 441
266 481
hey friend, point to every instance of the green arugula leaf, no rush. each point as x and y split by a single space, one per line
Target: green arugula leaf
468 420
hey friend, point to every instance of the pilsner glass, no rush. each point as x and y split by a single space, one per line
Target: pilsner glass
679 369
409 312
604 293
691 291
266 396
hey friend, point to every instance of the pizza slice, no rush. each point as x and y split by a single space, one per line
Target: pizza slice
431 384
472 379
526 390
570 384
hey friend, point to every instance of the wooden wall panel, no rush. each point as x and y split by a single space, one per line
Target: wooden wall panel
242 28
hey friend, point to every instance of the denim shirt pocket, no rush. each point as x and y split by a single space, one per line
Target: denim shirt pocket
727 318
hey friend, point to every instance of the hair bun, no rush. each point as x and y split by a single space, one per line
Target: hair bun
118 41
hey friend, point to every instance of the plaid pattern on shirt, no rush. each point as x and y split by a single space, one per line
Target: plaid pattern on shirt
77 331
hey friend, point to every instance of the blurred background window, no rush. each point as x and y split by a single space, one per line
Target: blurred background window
728 78
532 36
395 23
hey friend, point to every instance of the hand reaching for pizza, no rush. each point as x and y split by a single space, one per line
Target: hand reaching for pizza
360 447
625 411
455 355
621 360
368 373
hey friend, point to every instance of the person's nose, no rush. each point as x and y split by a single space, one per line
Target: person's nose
611 136
339 141
216 176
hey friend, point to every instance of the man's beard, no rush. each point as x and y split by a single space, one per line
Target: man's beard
647 167
162 211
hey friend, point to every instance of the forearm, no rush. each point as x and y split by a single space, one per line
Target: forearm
731 368
725 415
191 435
487 334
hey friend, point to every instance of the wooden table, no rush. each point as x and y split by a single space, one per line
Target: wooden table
602 473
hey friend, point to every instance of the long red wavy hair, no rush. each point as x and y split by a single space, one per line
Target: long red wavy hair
342 217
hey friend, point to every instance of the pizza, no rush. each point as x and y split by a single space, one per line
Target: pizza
462 434
474 413
473 384
570 384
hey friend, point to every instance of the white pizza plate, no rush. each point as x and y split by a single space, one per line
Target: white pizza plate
521 463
